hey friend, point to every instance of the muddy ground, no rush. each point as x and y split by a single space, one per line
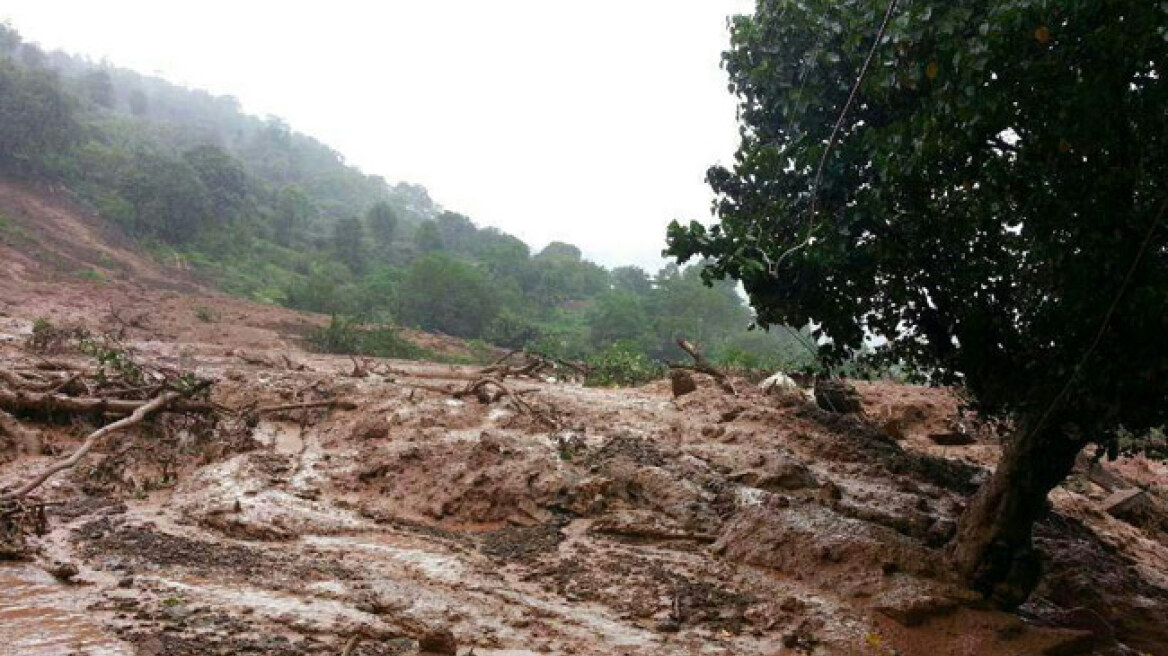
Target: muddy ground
609 521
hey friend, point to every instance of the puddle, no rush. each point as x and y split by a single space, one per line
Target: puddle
283 436
40 617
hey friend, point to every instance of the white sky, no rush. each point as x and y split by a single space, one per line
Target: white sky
588 122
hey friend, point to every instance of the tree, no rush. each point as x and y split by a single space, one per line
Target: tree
560 250
427 238
619 316
168 198
224 177
445 294
992 206
349 243
381 221
631 279
458 233
36 118
685 306
139 103
294 210
99 88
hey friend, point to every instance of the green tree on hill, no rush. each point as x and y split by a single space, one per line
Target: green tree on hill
442 293
349 243
381 222
992 207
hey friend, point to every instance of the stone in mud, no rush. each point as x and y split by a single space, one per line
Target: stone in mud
682 382
438 641
375 427
837 396
787 475
952 439
916 611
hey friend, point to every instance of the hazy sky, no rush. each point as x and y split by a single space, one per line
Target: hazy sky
588 122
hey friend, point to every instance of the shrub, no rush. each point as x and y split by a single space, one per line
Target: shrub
622 364
347 336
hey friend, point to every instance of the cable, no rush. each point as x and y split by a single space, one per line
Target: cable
835 134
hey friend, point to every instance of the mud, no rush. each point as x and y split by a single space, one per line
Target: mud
710 524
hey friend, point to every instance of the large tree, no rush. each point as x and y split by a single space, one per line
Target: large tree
991 205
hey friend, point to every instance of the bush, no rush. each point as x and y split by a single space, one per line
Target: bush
622 364
348 337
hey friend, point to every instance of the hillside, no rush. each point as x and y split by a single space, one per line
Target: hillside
256 209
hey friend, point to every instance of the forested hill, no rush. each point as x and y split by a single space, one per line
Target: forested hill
268 213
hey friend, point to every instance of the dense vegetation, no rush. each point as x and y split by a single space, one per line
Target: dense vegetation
274 215
992 212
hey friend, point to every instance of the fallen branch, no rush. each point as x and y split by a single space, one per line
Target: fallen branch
479 389
140 413
702 365
16 401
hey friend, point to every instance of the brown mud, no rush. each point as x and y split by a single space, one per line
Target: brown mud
641 525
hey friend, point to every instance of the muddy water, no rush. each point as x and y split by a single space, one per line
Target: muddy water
41 617
282 436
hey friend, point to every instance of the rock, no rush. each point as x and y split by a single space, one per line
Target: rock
438 641
918 610
126 582
682 382
830 492
1129 505
372 428
668 626
779 383
952 439
787 475
61 571
837 396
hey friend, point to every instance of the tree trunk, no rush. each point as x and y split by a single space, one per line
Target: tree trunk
994 550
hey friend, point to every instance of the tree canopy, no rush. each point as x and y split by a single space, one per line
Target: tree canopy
990 213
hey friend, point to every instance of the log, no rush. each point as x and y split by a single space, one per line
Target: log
18 401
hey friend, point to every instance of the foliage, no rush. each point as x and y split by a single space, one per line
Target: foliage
621 364
381 223
36 119
619 316
347 336
349 243
994 183
442 293
47 338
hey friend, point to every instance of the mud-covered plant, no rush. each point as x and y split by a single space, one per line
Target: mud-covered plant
622 364
114 361
205 314
47 338
347 336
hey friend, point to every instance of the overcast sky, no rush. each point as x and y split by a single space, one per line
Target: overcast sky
588 122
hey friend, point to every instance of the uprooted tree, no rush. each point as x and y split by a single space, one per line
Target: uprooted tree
991 205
